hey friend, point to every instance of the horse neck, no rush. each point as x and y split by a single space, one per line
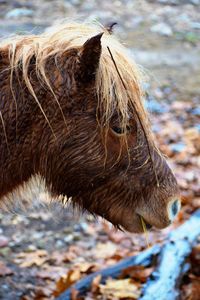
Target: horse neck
17 138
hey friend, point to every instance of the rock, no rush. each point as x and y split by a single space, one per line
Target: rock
179 2
196 111
169 2
195 2
178 147
3 241
195 25
68 239
135 21
183 18
37 235
31 248
19 12
74 2
5 252
77 237
197 126
155 107
59 244
84 226
162 29
189 176
158 93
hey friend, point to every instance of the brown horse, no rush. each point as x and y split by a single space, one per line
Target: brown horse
72 114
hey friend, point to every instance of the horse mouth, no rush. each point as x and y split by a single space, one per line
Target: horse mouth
148 225
139 225
144 223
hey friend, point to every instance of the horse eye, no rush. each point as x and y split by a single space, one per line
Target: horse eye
120 130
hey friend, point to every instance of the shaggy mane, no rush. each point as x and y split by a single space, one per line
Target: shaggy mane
110 90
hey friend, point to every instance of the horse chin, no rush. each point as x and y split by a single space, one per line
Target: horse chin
131 224
136 224
135 227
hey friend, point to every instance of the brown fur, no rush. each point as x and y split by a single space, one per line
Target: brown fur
61 101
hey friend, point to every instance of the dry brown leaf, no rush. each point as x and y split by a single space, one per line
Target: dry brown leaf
191 291
192 137
139 273
51 272
43 291
195 290
58 258
95 283
66 281
105 250
195 260
86 267
37 258
196 202
122 288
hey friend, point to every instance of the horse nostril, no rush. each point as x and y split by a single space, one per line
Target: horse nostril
174 209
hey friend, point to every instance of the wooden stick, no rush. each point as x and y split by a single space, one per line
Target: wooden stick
164 282
144 258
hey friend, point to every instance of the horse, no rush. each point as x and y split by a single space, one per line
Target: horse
72 113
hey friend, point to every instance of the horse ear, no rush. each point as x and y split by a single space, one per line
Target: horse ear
89 59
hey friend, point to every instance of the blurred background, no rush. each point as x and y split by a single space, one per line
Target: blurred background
38 250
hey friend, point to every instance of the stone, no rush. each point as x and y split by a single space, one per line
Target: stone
19 12
195 25
3 241
68 238
162 29
155 107
179 2
196 111
178 147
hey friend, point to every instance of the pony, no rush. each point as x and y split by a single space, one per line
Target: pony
72 113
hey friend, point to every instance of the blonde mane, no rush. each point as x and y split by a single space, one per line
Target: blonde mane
110 89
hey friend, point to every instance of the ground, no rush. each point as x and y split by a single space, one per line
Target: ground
41 253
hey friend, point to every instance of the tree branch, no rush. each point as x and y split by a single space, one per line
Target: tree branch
165 280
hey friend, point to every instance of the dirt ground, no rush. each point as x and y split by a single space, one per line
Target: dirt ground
40 247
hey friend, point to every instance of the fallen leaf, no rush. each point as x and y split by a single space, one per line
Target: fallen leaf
86 267
122 288
37 258
105 250
58 258
66 281
95 284
195 260
43 291
51 272
138 273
